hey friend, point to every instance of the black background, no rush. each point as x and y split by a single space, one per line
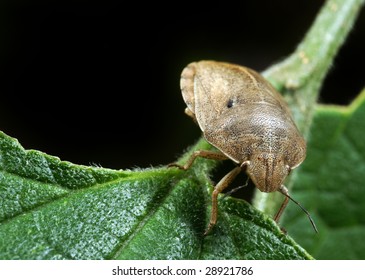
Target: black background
97 82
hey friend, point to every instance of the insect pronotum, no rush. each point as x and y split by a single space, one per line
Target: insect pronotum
248 121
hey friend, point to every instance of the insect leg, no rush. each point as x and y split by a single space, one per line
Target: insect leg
204 154
285 192
223 183
190 114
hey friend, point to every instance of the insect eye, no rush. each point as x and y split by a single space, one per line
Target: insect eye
229 103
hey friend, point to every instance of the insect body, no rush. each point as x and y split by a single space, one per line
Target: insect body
243 116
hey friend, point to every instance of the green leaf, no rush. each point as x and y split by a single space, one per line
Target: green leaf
52 209
330 183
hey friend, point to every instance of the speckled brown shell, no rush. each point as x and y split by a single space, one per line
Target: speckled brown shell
242 115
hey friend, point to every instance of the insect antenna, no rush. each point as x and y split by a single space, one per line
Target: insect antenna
305 211
236 189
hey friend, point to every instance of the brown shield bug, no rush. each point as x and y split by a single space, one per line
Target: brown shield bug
248 121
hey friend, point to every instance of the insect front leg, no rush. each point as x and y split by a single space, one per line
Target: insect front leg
285 192
203 154
223 183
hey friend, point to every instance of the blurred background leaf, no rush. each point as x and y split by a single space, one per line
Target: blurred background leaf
331 184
